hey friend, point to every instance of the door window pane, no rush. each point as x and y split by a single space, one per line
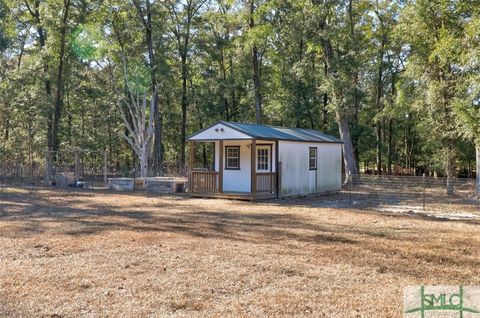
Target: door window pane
263 160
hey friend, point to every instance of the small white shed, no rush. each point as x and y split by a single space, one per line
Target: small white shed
259 161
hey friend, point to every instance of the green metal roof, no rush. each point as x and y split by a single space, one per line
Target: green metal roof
279 133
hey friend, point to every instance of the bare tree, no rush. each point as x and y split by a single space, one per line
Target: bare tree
140 129
144 12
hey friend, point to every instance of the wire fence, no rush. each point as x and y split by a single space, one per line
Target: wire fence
412 193
92 168
68 166
15 173
381 192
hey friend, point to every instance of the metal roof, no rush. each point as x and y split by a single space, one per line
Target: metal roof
278 133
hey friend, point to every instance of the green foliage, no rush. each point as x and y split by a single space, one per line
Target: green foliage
87 42
4 41
406 74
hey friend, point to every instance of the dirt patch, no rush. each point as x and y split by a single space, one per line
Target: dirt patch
81 253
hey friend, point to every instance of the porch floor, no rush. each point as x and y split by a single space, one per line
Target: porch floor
247 196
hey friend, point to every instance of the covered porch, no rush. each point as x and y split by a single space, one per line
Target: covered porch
244 169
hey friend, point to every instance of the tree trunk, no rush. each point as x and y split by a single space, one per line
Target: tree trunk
144 163
299 109
378 100
225 81
449 169
478 170
48 87
325 101
256 71
200 121
390 126
59 92
30 144
183 128
157 116
48 165
355 79
257 86
390 146
312 121
343 125
204 156
314 98
325 112
146 19
348 153
181 30
379 147
233 108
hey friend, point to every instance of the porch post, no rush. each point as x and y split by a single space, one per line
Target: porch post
220 166
253 169
191 162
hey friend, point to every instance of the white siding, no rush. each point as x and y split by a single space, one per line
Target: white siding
239 180
220 131
298 179
329 171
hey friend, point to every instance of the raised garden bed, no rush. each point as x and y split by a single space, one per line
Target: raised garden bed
121 184
165 185
154 185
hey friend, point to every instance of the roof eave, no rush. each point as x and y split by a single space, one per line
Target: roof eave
229 125
216 123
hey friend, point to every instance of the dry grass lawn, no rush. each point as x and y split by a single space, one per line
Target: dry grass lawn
103 254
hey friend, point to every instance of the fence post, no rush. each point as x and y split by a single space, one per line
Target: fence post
424 192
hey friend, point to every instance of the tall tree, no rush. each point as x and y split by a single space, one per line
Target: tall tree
37 23
429 28
385 57
183 14
54 141
396 80
467 104
144 12
335 40
257 84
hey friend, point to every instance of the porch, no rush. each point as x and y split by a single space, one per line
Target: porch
240 169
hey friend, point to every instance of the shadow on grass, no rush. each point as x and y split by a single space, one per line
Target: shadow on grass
407 206
30 210
34 213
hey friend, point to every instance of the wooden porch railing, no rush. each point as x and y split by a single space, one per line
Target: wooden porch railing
266 182
204 181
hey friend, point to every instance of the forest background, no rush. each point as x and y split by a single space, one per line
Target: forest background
398 81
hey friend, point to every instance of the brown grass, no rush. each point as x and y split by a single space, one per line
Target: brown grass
102 254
